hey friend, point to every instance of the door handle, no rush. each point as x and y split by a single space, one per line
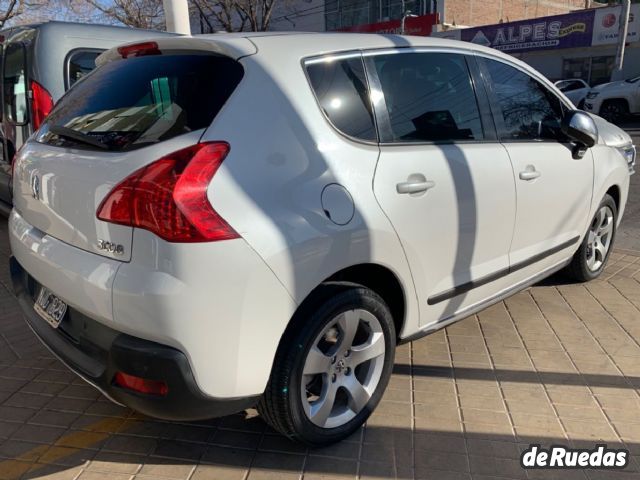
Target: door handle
530 173
415 187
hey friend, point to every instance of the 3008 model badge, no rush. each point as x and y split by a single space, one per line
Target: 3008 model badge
110 247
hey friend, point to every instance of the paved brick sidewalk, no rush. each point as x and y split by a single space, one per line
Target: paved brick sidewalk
556 364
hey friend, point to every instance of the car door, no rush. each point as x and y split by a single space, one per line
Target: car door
553 183
442 178
15 106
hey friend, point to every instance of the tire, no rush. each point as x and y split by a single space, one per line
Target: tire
614 111
581 104
312 353
590 259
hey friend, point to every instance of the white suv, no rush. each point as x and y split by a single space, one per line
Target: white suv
614 101
206 224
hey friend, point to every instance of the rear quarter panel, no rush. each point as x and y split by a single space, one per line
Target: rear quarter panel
283 153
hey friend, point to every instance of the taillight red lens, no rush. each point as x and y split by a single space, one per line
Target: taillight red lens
141 385
41 104
139 49
169 197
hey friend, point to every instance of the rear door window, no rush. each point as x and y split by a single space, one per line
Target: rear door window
341 89
429 97
132 103
79 63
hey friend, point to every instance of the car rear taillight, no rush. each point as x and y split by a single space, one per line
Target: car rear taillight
169 197
141 385
139 49
41 104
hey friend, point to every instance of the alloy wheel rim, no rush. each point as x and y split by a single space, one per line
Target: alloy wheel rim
612 111
343 368
599 238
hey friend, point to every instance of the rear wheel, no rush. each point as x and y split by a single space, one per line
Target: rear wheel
614 111
332 366
590 259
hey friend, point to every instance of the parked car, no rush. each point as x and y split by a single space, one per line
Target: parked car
614 101
575 89
41 62
207 224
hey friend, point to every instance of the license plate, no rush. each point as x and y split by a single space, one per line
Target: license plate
50 307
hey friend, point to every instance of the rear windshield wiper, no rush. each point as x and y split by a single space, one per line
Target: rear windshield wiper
77 136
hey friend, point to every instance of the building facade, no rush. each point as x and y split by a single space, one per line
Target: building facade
480 12
582 44
320 15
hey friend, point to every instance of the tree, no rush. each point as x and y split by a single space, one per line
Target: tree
13 12
219 15
236 15
134 13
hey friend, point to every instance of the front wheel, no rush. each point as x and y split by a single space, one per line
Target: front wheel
614 111
590 259
332 366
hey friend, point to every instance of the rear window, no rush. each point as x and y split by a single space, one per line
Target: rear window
341 89
129 104
80 63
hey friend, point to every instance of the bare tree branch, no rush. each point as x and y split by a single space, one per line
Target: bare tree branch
236 15
135 13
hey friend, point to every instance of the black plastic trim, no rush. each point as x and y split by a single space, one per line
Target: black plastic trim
468 286
96 352
5 208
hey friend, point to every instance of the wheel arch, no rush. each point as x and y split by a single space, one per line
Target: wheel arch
381 280
614 192
376 277
615 99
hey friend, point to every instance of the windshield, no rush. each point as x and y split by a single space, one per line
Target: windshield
128 104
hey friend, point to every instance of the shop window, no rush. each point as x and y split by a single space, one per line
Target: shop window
601 68
593 70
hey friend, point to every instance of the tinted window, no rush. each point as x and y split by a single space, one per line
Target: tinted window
131 103
341 89
15 83
81 62
429 96
529 110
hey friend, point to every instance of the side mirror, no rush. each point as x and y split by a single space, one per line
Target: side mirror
580 127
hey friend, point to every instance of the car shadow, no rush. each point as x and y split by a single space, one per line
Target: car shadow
395 443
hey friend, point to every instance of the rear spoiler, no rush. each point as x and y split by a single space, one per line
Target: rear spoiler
228 45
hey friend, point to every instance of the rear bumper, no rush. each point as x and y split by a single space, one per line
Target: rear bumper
217 303
96 352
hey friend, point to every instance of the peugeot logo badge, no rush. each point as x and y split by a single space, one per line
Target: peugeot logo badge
35 186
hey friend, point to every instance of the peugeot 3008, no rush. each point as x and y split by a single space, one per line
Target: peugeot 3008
207 224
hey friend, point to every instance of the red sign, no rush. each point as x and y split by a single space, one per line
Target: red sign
421 25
